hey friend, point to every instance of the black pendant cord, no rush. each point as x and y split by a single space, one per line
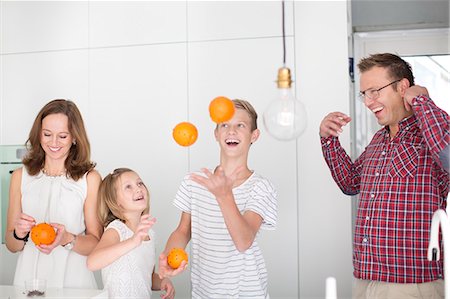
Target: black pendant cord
284 34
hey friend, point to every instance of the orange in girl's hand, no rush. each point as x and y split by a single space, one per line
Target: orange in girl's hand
221 109
43 233
185 134
176 256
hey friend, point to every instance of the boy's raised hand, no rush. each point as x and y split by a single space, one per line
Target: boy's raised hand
218 183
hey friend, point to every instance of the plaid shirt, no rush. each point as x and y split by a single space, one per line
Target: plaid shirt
400 182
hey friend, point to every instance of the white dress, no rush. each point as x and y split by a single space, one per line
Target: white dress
130 276
60 200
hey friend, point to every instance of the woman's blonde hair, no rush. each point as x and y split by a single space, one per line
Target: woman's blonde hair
108 208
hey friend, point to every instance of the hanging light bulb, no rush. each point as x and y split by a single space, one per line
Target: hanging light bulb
285 117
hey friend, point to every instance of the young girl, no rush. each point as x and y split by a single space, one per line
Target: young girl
126 251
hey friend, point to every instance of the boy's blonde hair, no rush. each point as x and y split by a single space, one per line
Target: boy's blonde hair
244 105
108 208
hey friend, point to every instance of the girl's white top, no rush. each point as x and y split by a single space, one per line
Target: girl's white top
130 276
61 200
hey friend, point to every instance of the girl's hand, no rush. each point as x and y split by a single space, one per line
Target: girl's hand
141 233
166 271
167 286
60 234
23 225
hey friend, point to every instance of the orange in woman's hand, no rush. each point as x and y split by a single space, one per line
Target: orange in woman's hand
221 109
176 256
185 134
43 233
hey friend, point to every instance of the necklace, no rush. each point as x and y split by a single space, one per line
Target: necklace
51 174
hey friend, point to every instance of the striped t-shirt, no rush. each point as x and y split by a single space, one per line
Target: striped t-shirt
218 269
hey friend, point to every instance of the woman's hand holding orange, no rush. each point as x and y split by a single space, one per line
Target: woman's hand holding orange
23 225
60 233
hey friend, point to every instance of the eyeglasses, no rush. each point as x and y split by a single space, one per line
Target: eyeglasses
374 93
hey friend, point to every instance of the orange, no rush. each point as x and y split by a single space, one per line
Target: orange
176 256
221 109
185 134
43 233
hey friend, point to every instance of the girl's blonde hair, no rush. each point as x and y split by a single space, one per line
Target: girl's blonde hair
108 208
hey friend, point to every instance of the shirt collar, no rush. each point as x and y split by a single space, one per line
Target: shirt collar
407 122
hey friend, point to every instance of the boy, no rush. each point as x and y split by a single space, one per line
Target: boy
222 212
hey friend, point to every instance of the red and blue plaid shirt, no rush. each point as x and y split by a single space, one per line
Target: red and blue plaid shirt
401 182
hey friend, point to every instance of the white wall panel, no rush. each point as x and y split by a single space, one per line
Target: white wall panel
43 25
138 94
117 23
31 80
323 85
215 20
235 69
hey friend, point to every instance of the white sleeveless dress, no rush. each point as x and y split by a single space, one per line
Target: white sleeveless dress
130 276
60 200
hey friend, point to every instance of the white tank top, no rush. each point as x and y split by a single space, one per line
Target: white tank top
61 200
130 276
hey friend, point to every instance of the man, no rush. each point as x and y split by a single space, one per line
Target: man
401 180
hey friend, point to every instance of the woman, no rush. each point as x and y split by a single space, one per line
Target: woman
57 185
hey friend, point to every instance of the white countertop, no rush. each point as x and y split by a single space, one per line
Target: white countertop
10 292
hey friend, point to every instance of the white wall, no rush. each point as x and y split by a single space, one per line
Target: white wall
325 232
136 69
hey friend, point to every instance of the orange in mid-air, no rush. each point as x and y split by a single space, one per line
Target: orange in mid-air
185 134
221 109
176 256
43 233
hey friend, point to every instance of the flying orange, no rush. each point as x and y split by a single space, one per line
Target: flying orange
221 109
185 134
